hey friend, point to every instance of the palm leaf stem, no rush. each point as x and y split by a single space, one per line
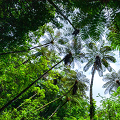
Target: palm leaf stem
55 99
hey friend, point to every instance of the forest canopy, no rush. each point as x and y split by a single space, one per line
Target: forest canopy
41 42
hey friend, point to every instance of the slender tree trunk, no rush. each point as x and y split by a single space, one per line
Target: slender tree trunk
54 112
55 99
14 99
51 2
25 101
24 50
91 99
57 109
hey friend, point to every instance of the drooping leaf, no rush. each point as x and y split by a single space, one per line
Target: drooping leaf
110 58
105 63
105 49
88 65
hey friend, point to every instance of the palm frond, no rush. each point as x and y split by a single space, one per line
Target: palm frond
116 86
75 100
93 70
85 80
101 44
119 74
88 65
92 46
110 58
81 57
107 65
112 81
111 87
38 54
109 68
108 88
106 84
105 49
100 72
114 75
103 68
104 62
107 77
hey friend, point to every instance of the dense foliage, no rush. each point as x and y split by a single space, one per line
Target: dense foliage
41 43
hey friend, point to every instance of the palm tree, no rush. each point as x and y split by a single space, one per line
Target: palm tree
80 81
51 42
112 81
58 42
98 56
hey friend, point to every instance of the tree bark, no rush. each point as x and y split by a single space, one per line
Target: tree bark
91 99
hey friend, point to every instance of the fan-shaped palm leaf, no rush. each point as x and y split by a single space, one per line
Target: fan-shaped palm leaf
112 81
57 43
92 46
106 84
109 87
100 72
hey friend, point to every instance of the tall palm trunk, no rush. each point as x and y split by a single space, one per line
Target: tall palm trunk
14 99
25 101
55 99
26 50
57 109
54 112
91 99
52 3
